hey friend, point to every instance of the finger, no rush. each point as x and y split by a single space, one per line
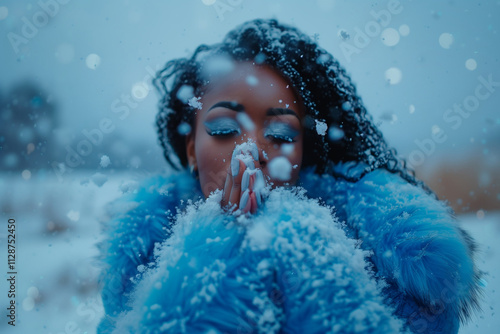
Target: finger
260 181
235 164
253 202
245 181
235 194
245 204
238 156
258 197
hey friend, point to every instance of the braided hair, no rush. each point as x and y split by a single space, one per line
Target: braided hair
326 90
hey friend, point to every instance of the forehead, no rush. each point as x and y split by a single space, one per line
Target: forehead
248 81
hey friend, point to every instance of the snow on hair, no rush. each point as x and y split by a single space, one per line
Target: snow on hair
325 88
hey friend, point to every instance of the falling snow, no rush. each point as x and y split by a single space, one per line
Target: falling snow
287 149
393 75
105 161
335 133
74 215
245 121
93 61
344 35
390 36
280 168
216 66
184 129
404 30
64 215
446 40
195 103
252 80
185 93
321 127
470 64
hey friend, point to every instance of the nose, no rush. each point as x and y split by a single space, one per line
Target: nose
262 158
257 145
262 161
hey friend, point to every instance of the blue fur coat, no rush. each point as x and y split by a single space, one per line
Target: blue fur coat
374 256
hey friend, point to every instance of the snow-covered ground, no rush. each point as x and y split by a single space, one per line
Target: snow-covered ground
58 226
486 231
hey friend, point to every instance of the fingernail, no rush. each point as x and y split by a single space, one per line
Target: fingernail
244 199
245 180
258 197
259 180
235 165
249 164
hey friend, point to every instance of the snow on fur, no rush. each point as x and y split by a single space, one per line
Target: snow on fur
290 267
418 248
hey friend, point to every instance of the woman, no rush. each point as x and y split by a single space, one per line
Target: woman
295 215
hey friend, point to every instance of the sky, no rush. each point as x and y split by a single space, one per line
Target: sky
417 70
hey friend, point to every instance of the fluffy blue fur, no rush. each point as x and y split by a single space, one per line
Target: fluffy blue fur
140 220
416 245
290 267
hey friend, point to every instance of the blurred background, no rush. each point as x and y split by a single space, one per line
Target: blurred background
77 115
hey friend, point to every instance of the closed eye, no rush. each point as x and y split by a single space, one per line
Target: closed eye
222 127
281 133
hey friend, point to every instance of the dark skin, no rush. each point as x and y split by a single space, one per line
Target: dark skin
272 120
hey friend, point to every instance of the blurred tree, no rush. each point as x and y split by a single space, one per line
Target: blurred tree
27 120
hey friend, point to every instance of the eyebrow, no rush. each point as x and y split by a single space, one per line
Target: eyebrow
239 107
281 111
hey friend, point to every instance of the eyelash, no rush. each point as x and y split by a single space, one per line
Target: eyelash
224 128
281 139
228 133
281 133
224 133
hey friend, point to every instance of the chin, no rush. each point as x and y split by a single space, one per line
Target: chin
281 183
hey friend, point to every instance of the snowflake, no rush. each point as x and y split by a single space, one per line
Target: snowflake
195 103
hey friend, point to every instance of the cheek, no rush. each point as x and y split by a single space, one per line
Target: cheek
295 159
213 159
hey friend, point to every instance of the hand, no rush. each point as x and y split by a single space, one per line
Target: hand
244 182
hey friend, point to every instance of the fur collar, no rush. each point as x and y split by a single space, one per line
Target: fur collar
415 246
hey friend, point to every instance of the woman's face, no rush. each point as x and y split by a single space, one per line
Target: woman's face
252 102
